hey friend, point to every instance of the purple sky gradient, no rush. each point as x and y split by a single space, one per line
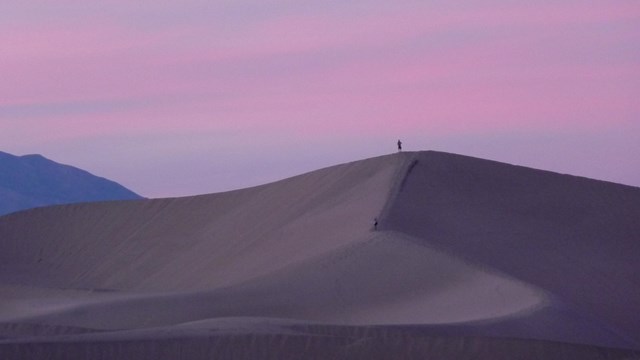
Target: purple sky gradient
190 97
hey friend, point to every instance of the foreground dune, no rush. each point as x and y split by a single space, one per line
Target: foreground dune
472 259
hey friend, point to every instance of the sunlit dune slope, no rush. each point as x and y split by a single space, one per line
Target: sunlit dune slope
195 242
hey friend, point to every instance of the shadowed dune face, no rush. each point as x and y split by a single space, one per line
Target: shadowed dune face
464 247
577 238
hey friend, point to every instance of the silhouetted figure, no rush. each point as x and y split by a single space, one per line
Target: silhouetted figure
399 145
375 224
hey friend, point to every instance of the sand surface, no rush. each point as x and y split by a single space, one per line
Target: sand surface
472 259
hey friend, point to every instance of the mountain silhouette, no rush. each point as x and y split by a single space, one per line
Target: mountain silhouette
33 181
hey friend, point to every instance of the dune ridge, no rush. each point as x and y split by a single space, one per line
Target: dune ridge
470 254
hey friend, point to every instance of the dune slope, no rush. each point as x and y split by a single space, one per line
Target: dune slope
468 253
576 238
195 242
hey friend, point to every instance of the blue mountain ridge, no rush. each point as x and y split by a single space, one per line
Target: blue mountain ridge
33 181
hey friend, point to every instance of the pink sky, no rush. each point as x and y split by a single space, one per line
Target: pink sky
203 96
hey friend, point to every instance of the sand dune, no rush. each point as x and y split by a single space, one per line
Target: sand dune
472 259
574 237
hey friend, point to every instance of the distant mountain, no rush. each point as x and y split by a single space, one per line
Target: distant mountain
33 181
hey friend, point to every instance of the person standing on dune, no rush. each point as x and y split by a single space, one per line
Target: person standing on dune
399 145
